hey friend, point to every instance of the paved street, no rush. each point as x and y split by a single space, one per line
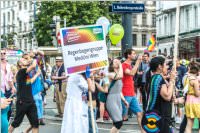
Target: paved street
53 124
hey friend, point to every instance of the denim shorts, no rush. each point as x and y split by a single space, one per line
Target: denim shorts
133 105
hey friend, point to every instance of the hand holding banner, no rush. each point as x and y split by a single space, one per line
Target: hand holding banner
87 72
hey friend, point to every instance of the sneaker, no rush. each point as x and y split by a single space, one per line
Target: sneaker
54 100
100 120
59 115
109 120
125 119
178 120
41 123
132 116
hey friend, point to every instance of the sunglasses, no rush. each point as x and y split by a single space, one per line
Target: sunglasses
3 53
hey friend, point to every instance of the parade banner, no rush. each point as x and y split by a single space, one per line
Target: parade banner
83 46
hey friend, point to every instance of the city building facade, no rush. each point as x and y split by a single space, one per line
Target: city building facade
17 18
189 28
143 27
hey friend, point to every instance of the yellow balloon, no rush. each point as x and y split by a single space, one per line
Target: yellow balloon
116 33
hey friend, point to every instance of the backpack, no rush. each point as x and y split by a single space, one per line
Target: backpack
152 121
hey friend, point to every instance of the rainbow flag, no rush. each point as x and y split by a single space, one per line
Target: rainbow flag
151 44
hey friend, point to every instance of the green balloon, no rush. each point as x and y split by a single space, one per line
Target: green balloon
116 34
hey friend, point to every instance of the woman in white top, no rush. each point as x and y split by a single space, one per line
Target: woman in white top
75 119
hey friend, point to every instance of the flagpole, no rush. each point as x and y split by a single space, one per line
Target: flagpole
156 47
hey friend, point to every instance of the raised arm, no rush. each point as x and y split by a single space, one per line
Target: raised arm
91 84
32 66
167 91
103 89
35 76
135 68
118 74
40 52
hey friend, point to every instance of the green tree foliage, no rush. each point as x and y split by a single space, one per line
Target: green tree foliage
76 14
8 39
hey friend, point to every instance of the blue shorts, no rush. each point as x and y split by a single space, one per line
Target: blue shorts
133 105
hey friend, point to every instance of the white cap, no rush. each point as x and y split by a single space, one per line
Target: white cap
59 58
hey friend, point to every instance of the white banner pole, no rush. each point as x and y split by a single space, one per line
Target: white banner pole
176 33
176 49
92 112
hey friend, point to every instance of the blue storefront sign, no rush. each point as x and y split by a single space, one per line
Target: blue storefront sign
127 7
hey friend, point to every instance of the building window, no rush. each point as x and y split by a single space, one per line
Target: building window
149 3
172 23
25 5
30 25
13 15
159 26
153 20
25 27
144 38
8 17
187 19
8 29
144 19
134 19
20 6
196 17
30 4
4 4
25 44
134 40
4 24
20 26
154 3
8 3
20 43
4 19
165 24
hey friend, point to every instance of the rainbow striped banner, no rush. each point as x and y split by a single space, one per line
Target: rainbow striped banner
82 35
151 44
82 67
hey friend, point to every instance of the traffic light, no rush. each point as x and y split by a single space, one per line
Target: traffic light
53 27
